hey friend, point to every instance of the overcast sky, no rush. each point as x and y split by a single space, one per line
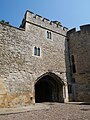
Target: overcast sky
71 13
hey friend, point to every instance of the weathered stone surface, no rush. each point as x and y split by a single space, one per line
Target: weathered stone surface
20 69
19 66
79 44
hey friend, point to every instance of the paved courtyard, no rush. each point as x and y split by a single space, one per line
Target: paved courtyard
51 111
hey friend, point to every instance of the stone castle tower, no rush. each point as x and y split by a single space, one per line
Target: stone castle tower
79 51
43 62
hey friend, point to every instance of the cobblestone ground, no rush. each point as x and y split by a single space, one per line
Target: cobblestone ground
57 111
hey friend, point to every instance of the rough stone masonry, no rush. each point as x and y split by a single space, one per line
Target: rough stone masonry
43 62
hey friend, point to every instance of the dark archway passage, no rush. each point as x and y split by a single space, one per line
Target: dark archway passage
48 89
43 92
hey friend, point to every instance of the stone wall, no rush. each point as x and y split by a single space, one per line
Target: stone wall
20 68
79 47
15 82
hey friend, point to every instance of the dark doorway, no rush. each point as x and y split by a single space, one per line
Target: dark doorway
47 89
43 92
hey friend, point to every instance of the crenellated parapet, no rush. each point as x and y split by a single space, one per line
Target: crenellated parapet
45 23
83 28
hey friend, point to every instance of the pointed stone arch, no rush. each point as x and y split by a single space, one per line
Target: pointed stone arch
49 88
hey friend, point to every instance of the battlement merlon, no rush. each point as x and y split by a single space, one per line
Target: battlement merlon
72 31
55 26
83 28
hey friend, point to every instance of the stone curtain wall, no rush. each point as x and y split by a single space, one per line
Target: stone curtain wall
19 68
79 44
15 81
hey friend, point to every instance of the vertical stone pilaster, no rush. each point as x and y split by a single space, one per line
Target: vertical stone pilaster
65 92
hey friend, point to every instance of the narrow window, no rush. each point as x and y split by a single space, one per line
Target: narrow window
38 51
35 50
69 88
73 64
74 68
49 35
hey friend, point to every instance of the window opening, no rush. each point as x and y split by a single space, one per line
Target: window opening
73 64
49 35
74 68
37 51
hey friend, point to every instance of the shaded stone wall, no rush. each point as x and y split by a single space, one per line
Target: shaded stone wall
20 68
79 47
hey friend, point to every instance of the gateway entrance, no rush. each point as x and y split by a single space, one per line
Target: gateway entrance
49 89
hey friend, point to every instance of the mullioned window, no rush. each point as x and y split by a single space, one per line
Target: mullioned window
37 51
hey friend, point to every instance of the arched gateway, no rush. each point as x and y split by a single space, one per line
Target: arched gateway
49 88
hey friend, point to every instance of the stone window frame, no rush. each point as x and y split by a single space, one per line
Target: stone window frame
37 51
49 35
